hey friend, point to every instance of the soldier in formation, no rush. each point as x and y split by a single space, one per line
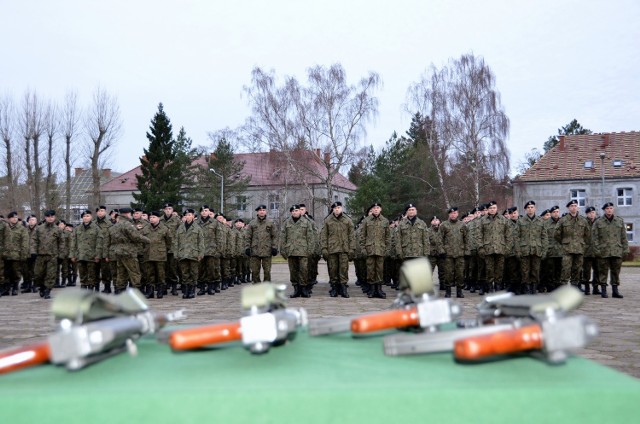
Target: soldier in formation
338 244
296 246
261 243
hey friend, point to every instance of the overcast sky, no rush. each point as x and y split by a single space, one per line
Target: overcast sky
553 60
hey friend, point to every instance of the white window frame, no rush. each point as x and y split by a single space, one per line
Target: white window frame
241 202
626 198
575 195
274 202
630 233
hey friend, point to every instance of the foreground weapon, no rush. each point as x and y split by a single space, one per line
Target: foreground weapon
415 308
267 322
92 327
500 312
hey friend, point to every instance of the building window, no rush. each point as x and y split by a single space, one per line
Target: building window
274 202
629 231
241 201
625 197
580 196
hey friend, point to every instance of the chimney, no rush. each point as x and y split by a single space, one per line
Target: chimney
605 141
318 152
79 171
561 143
327 158
106 173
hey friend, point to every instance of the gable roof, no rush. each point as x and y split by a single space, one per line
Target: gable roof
265 169
567 160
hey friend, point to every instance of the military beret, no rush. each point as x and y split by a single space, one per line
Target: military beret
50 212
189 210
473 211
203 207
125 210
572 202
607 205
544 212
506 212
302 205
294 207
12 214
167 205
590 209
156 213
261 207
530 203
452 209
491 203
409 206
465 215
87 212
512 209
554 208
240 220
378 204
482 207
101 207
137 209
69 225
335 205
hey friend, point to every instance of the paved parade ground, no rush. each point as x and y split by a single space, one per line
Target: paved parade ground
25 318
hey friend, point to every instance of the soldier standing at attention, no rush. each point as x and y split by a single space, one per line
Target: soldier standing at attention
453 236
573 234
226 251
338 244
590 262
375 242
494 237
209 279
15 252
84 250
3 246
260 245
512 278
160 241
189 250
552 263
296 245
531 245
413 241
29 265
611 245
241 259
47 242
436 257
172 222
314 258
122 245
103 269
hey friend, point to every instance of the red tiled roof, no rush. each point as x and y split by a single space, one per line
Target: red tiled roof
566 161
262 167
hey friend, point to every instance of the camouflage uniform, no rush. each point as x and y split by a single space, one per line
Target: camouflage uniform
573 233
552 262
589 263
453 236
14 253
232 248
103 268
171 272
296 245
3 230
338 244
122 244
610 245
360 258
84 250
188 248
494 238
29 264
473 267
261 240
47 243
375 242
241 259
214 243
155 257
512 267
531 240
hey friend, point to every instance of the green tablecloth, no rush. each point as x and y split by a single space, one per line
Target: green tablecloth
329 379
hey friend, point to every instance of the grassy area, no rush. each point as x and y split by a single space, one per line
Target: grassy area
629 263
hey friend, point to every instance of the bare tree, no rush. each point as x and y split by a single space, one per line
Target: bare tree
467 117
51 129
31 126
7 132
318 126
70 118
103 127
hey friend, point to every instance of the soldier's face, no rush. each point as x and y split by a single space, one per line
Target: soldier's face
262 213
573 209
13 220
188 217
239 225
154 219
411 212
137 215
337 210
101 213
376 210
220 218
608 211
515 215
592 215
531 210
168 211
295 213
206 212
68 229
303 210
435 222
144 216
555 214
493 209
453 215
546 216
50 219
32 221
86 218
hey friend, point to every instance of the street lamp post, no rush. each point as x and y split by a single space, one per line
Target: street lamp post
602 156
221 189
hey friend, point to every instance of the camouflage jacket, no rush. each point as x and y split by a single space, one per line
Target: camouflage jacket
16 243
160 242
412 238
573 234
610 237
103 225
338 235
122 239
296 238
172 223
375 236
554 249
240 235
214 237
261 237
189 242
494 236
531 237
513 249
590 251
453 236
84 242
472 226
65 252
232 242
47 240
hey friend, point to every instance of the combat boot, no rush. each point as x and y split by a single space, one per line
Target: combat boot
596 289
149 293
231 283
343 291
333 292
459 293
305 291
603 293
447 291
211 289
201 290
472 287
74 278
174 289
586 289
379 292
192 291
216 286
107 287
14 289
46 294
533 289
615 293
185 292
296 291
161 289
225 284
